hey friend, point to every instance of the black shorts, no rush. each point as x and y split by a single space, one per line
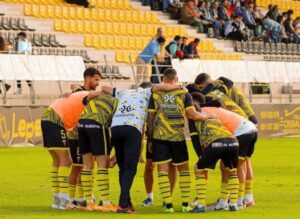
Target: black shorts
93 138
54 136
74 151
166 151
226 149
149 155
247 144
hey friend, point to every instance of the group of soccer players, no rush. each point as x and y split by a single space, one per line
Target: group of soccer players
81 129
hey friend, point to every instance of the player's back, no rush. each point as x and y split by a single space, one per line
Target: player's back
70 108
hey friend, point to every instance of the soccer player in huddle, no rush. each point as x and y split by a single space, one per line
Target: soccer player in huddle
92 78
165 129
61 117
127 133
245 132
204 82
213 141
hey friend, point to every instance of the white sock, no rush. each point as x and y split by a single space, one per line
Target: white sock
150 195
249 197
240 201
64 196
106 202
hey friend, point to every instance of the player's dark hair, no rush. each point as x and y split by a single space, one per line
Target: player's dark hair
146 84
201 78
198 97
170 74
161 40
177 37
91 72
197 40
22 34
192 88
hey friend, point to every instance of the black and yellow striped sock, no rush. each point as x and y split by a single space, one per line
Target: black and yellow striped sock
241 190
103 183
201 187
63 180
54 180
249 187
185 185
164 187
224 191
72 192
233 188
79 192
87 184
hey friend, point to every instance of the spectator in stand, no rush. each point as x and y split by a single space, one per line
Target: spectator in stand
257 14
184 46
165 5
189 15
236 29
146 57
284 37
222 11
173 46
273 29
297 31
192 51
3 49
288 24
273 13
249 20
84 3
22 46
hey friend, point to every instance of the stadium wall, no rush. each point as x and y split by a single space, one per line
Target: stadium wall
20 126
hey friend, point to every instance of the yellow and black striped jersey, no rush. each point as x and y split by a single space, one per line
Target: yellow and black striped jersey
51 116
101 109
226 102
235 95
211 130
169 108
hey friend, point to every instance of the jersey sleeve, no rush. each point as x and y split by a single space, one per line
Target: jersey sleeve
195 137
188 101
151 106
116 93
227 82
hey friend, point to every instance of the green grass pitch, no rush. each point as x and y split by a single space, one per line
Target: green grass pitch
25 189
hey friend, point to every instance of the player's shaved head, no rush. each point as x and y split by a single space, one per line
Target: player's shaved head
170 75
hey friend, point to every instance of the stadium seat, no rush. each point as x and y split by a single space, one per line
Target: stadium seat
88 40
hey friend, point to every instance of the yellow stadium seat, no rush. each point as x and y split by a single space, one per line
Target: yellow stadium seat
169 31
94 14
50 11
58 12
72 13
87 14
137 29
129 29
65 12
131 43
66 26
107 15
125 43
135 17
95 27
128 16
73 28
116 28
35 10
122 16
106 3
87 27
139 43
101 14
110 42
146 41
133 56
58 25
150 30
144 30
95 41
109 28
126 55
147 18
119 56
79 13
27 10
102 29
103 42
123 29
115 15
141 17
118 42
80 26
